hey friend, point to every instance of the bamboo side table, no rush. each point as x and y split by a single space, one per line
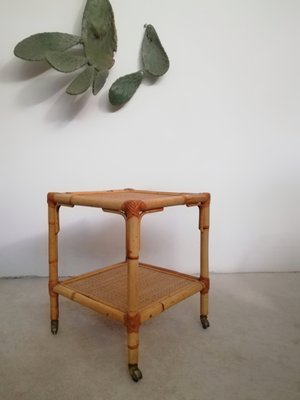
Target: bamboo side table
130 291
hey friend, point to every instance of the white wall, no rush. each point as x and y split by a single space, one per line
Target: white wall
225 119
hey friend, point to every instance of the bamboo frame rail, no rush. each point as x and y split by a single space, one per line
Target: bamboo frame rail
130 292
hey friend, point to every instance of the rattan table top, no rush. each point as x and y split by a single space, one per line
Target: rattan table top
119 199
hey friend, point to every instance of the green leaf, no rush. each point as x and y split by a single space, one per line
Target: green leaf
65 62
82 82
35 47
99 34
155 59
124 88
99 81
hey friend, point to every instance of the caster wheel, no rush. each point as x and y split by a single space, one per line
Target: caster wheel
135 372
54 326
204 321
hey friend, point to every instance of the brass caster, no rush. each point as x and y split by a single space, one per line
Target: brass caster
54 326
135 372
204 321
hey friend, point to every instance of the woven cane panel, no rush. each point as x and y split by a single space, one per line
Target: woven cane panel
110 286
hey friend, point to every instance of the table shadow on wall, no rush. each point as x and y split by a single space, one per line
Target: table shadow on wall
84 245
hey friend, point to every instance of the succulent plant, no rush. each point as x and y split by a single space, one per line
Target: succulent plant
98 43
155 62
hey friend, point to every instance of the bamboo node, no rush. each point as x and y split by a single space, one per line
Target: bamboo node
203 227
192 204
132 322
206 283
133 208
133 347
206 203
51 286
204 215
50 199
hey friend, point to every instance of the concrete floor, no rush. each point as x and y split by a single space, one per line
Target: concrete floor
250 352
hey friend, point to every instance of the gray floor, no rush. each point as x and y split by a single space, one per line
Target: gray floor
250 352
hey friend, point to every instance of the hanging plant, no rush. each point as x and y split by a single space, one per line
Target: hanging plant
98 43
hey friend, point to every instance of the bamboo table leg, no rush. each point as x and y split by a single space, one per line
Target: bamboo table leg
133 318
53 220
204 270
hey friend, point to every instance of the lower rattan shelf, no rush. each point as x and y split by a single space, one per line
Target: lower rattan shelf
105 290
